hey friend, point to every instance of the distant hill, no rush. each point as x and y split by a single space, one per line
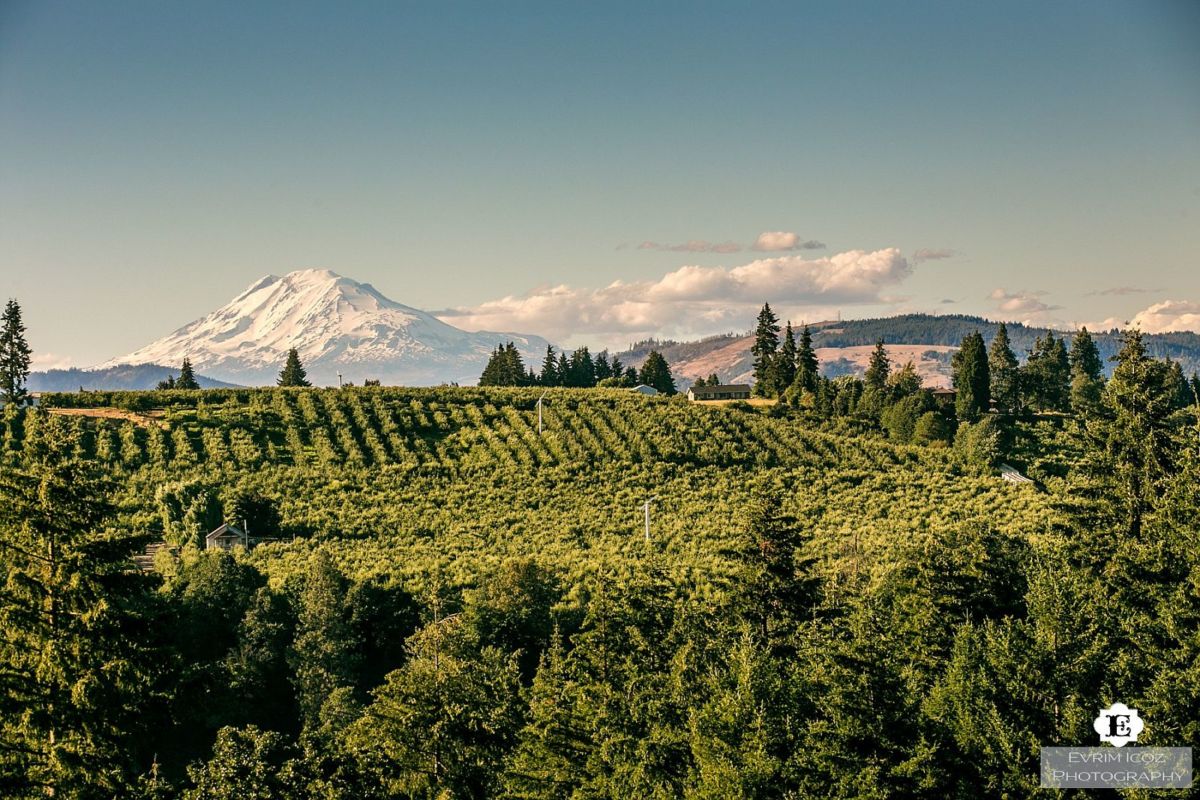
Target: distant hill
843 347
126 376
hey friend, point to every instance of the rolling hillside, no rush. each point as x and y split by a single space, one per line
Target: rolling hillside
843 347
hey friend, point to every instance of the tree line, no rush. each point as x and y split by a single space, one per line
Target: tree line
505 367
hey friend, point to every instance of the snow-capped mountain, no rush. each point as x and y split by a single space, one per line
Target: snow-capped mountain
337 325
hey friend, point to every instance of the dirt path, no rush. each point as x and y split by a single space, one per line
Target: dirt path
145 420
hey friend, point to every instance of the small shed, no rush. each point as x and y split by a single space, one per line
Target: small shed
1010 474
226 537
643 388
732 391
944 396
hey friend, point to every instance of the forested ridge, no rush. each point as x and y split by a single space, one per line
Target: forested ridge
454 605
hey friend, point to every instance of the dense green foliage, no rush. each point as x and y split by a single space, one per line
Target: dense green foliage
579 370
460 607
14 354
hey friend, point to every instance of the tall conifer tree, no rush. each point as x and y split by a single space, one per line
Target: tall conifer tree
972 383
1087 374
1004 372
766 344
293 373
784 372
74 631
187 376
14 354
878 369
807 371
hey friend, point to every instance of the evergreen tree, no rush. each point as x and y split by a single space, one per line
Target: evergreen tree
783 373
657 373
972 383
1177 386
808 372
630 378
1139 448
166 384
603 368
187 376
904 382
293 373
766 343
1087 374
779 589
713 380
878 369
505 368
1047 374
550 376
441 725
326 652
564 370
75 622
583 369
1004 372
14 354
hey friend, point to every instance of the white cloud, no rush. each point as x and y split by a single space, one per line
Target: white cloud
1169 315
1021 302
44 361
691 300
775 241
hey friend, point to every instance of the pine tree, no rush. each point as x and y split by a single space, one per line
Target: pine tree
442 724
1047 374
1138 446
766 343
75 631
326 652
808 373
166 384
1087 374
603 368
564 370
187 376
14 354
779 588
972 383
879 368
505 368
293 373
1004 372
550 376
657 373
583 370
783 372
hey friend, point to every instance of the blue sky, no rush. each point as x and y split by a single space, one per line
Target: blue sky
506 163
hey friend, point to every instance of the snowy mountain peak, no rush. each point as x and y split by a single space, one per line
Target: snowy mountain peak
337 324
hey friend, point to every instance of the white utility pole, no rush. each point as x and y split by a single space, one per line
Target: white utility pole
539 405
646 508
